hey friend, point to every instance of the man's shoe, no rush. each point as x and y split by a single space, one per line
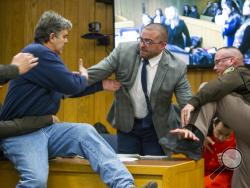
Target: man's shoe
190 148
150 184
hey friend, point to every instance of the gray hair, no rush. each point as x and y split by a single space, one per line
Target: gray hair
50 22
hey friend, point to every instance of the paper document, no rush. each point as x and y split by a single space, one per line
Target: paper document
142 157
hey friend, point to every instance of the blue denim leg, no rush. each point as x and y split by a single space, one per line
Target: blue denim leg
69 139
29 154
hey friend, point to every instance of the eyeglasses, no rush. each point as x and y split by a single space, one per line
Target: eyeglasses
217 61
147 42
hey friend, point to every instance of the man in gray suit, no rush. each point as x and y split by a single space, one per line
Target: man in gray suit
142 110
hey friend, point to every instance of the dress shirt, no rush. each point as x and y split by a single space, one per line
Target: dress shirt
136 92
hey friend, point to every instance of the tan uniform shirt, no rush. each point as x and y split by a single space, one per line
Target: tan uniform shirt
237 80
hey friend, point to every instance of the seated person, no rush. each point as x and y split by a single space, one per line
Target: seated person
159 17
20 64
242 35
220 137
212 9
186 10
194 12
146 20
178 33
232 23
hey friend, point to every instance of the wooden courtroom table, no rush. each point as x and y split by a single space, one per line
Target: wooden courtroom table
77 173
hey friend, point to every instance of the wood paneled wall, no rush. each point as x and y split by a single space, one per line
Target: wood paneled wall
18 19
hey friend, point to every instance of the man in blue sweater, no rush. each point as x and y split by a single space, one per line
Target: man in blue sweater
39 92
20 64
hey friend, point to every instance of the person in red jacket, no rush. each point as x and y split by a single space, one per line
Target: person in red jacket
220 137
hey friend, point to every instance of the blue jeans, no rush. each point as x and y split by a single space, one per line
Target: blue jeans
30 154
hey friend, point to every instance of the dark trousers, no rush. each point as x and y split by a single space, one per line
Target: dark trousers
143 141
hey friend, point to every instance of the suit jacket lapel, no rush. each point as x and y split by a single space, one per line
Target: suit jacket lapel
159 77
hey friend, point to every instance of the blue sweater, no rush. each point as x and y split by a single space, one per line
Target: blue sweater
39 91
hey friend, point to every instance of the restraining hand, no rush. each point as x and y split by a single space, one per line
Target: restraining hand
82 70
185 114
111 85
24 62
55 119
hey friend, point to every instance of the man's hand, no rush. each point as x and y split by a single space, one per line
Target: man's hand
185 114
111 85
208 143
185 133
82 70
55 119
219 155
24 62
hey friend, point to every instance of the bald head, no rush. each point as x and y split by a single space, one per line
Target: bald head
227 57
233 52
159 29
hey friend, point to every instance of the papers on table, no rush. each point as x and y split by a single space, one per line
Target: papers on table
134 157
128 159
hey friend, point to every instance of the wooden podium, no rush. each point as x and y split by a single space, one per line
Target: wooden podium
77 173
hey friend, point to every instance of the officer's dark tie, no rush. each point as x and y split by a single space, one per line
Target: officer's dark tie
147 121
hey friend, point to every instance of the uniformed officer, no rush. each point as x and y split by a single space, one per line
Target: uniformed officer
229 97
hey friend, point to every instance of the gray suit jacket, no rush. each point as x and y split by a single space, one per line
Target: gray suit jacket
170 79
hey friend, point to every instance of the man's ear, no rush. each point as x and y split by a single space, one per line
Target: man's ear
233 61
229 64
52 36
163 45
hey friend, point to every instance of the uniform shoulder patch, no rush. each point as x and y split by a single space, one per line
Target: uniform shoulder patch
228 70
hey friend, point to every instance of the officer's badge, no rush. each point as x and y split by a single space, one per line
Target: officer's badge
228 70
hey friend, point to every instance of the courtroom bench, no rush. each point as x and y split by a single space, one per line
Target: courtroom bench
76 173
